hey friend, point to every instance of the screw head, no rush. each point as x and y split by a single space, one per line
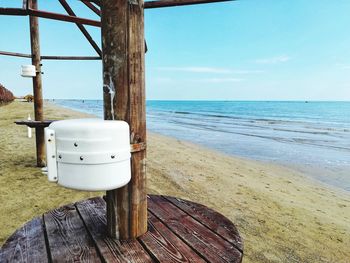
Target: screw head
49 140
112 156
53 156
81 158
75 144
60 156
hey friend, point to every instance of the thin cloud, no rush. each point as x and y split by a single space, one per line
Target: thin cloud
273 60
221 80
208 70
343 66
196 69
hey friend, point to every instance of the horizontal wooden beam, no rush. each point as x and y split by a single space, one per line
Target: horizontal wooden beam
14 54
69 58
49 15
170 3
65 18
13 11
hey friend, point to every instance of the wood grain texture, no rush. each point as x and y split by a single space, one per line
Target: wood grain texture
196 235
68 240
26 245
211 219
78 233
37 85
124 99
165 246
93 212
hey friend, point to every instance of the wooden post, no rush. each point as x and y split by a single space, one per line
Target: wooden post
124 99
37 85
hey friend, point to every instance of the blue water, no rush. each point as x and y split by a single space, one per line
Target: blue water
312 137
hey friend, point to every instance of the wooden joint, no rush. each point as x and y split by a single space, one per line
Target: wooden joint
138 147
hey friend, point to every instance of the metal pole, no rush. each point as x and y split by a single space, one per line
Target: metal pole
37 85
124 99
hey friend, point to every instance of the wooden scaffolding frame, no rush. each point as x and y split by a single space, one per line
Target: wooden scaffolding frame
122 23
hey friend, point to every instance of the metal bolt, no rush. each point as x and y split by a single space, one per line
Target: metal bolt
60 156
75 144
49 140
81 158
112 156
53 156
51 134
55 178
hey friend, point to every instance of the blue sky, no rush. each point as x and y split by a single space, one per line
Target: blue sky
242 50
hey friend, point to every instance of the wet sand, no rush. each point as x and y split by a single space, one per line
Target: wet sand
282 216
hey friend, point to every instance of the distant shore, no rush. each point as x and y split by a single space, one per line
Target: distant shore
282 216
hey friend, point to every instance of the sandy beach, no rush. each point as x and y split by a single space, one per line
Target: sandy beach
281 215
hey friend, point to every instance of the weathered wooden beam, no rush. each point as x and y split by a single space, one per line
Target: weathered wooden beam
13 11
92 7
170 3
14 54
81 27
124 75
69 58
48 15
37 84
65 18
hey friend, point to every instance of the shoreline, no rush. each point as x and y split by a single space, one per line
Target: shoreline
331 174
281 215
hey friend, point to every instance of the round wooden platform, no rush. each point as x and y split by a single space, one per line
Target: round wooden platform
178 231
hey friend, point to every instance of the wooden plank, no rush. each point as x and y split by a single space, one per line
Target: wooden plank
35 124
27 244
70 58
67 236
123 75
165 245
207 243
65 18
93 213
211 219
48 15
14 54
13 11
137 117
171 3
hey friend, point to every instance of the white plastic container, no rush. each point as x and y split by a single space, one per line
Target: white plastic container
28 71
88 154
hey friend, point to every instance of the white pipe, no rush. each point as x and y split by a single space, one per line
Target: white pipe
29 129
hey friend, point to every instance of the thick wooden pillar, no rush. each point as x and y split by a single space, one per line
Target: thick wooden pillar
37 85
124 99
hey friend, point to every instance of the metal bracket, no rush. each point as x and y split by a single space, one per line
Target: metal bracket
138 147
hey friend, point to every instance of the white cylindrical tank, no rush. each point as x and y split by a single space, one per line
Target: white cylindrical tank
88 154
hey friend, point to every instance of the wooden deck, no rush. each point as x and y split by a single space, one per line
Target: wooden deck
178 231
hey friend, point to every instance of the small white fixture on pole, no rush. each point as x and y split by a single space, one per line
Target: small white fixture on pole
28 71
29 129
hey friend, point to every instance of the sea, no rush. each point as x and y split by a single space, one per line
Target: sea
308 136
